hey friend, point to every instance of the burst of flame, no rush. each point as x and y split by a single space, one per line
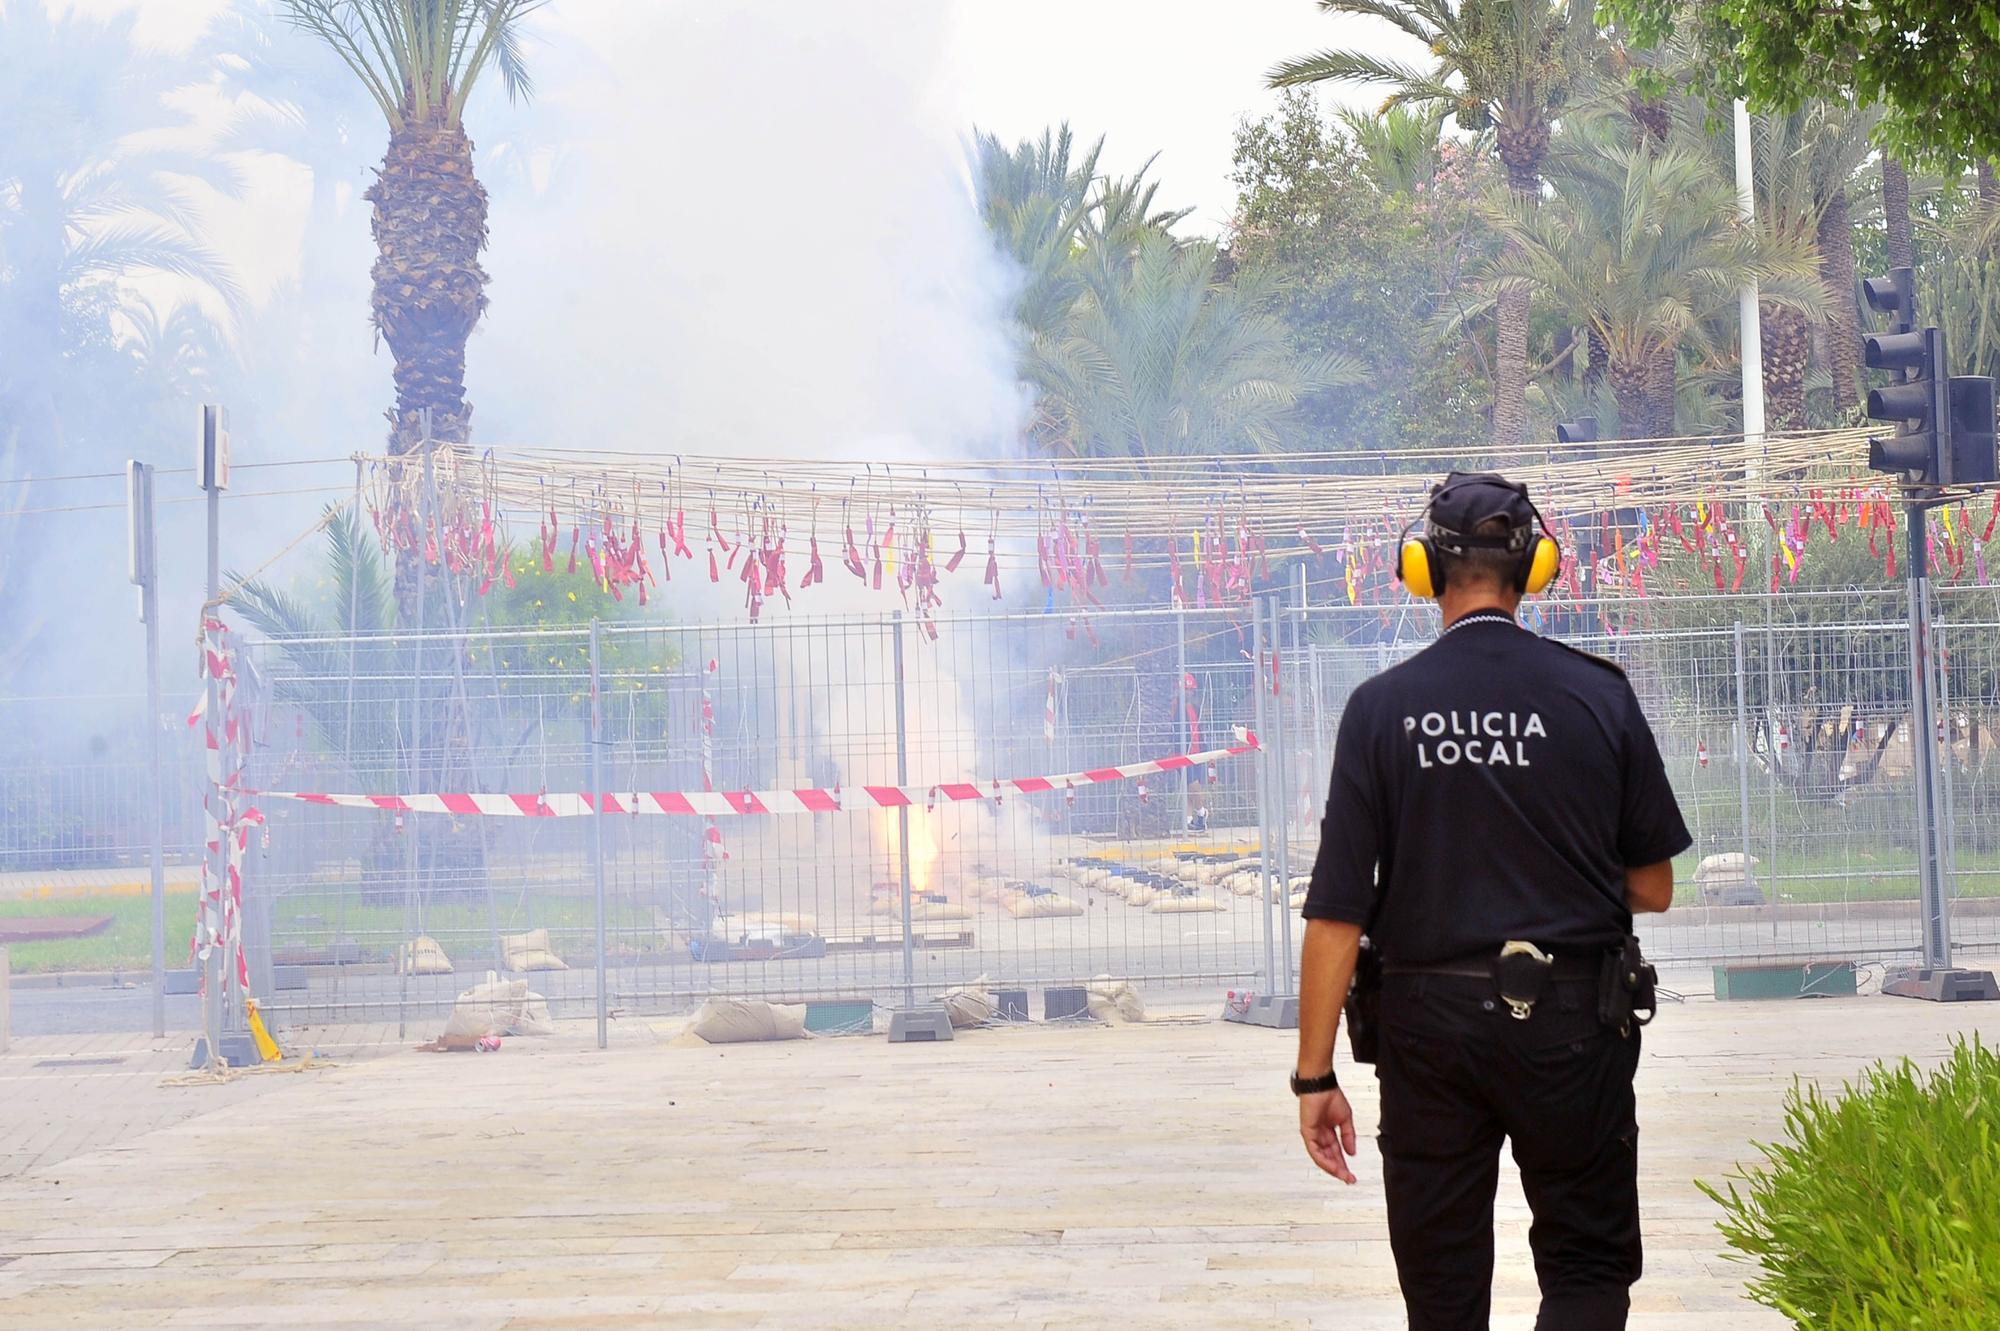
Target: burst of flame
923 852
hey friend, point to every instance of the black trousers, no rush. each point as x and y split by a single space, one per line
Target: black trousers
1458 1073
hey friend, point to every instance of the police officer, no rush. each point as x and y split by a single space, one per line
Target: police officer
1497 793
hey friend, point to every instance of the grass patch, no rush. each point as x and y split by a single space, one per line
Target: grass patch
1876 1210
1822 877
126 945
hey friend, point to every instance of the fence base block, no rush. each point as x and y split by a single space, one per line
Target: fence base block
919 1025
238 1050
1785 979
1951 985
1278 1011
840 1016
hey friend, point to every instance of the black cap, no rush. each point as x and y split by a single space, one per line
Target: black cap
1466 499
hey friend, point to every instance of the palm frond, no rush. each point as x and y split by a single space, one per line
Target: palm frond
139 245
422 58
1414 86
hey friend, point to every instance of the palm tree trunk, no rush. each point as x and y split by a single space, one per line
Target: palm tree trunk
1600 356
1522 149
429 290
1628 387
1662 379
1787 341
1836 270
1989 190
1510 367
1896 214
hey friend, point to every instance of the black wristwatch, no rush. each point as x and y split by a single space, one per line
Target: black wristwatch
1315 1085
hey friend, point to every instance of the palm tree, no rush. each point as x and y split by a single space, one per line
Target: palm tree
419 61
86 198
1068 230
1036 200
1400 145
1645 247
1503 64
1160 358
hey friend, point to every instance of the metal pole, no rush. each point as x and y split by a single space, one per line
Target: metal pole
1263 776
212 970
1281 762
1748 318
145 548
597 825
1947 796
414 767
1742 757
903 817
1181 689
1772 725
1923 748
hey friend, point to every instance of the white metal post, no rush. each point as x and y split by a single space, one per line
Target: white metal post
597 823
1752 331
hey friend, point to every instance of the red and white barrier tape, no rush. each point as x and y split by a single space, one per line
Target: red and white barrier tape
219 912
724 803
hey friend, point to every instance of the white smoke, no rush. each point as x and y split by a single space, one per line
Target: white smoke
747 229
760 241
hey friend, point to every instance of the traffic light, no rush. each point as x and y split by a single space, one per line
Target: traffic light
1583 430
1974 454
1918 402
1895 296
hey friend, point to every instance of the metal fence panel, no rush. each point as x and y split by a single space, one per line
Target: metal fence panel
1784 722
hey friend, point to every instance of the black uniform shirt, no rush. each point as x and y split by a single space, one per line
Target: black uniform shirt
1497 785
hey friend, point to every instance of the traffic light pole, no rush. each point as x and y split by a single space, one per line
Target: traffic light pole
1923 745
1935 978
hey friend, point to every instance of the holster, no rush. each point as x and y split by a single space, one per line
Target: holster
1364 1004
1627 993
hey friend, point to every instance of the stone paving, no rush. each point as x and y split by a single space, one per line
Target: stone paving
1123 1177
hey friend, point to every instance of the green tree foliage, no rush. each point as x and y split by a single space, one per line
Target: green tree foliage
1643 246
1504 65
1932 65
1369 224
1135 341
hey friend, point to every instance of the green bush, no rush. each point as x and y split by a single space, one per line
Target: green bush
1880 1210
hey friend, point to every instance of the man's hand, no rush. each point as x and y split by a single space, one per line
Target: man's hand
1326 1121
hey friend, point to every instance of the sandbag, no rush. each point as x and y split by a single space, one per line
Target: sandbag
970 1004
938 912
534 1018
1140 894
492 1008
1046 906
1178 905
1244 883
422 957
530 952
1109 998
743 1020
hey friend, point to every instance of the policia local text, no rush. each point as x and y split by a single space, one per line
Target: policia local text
1469 730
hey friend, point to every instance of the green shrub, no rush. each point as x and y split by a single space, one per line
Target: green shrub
1880 1210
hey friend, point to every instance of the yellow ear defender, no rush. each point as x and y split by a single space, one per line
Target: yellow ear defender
1544 563
1419 569
1413 566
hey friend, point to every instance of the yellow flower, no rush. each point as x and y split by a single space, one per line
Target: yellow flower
572 596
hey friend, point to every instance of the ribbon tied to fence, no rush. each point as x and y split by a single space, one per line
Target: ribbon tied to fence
740 803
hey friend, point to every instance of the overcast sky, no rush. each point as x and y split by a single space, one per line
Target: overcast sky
1166 77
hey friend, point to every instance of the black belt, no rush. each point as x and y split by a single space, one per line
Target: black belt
1568 966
